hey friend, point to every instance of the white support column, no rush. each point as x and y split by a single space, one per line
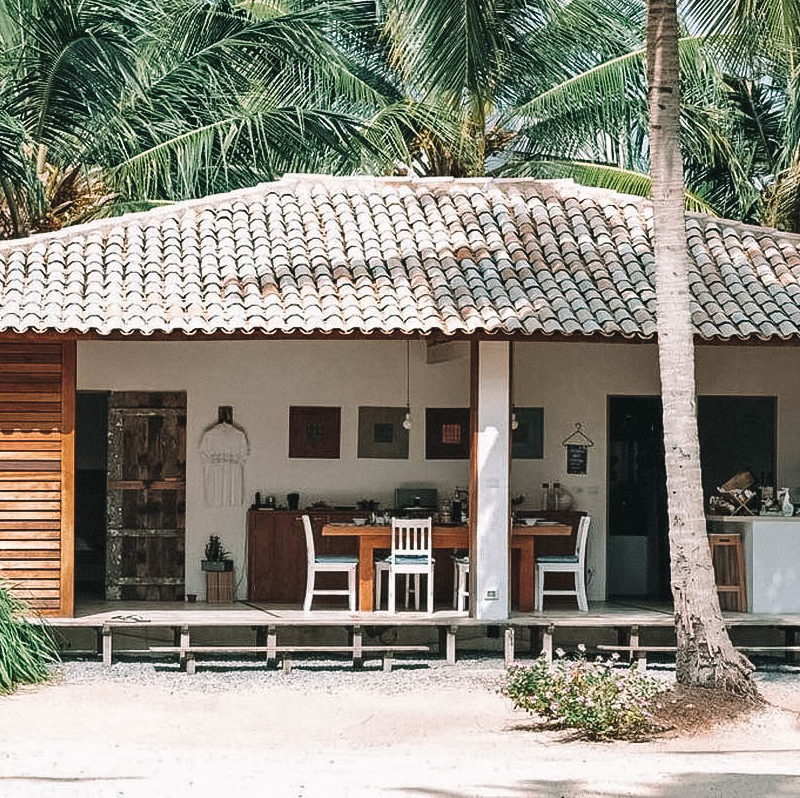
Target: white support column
490 509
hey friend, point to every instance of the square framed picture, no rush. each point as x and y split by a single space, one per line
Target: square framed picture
314 431
447 433
381 433
527 440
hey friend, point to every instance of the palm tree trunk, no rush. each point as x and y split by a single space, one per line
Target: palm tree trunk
705 655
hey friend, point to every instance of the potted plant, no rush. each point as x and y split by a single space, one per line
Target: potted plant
217 558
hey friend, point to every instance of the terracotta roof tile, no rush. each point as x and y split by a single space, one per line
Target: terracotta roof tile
324 254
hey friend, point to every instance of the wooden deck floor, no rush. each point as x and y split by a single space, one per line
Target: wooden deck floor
170 614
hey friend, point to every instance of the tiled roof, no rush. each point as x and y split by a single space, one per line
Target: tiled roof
373 255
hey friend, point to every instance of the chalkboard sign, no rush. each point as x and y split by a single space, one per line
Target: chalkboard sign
577 458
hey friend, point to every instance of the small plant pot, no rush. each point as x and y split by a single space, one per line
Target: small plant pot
216 565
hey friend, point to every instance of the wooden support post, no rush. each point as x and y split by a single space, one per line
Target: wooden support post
185 642
641 661
451 644
633 641
108 646
272 644
388 657
508 647
547 642
490 459
358 642
287 662
191 663
98 644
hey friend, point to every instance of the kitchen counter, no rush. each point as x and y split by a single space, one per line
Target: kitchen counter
771 547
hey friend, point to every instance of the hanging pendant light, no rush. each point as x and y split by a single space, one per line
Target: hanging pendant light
407 420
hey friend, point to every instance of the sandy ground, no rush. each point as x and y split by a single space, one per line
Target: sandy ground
449 734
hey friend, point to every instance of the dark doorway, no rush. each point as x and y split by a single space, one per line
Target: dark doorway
638 547
91 465
737 433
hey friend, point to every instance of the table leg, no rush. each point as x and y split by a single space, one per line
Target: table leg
366 575
527 575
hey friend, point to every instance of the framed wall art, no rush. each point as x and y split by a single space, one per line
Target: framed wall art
381 433
447 433
314 431
527 440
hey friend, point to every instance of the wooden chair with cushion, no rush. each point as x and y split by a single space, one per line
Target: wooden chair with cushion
571 563
332 563
411 555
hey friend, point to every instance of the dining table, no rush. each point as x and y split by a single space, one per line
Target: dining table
372 537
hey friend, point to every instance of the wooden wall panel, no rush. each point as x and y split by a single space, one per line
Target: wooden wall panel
37 409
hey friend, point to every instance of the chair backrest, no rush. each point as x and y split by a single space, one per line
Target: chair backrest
412 536
582 537
310 553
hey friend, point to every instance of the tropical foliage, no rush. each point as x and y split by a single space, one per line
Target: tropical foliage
108 106
599 700
27 651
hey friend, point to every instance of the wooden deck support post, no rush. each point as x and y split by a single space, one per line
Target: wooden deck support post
185 662
272 644
358 642
547 642
633 642
108 646
490 459
508 647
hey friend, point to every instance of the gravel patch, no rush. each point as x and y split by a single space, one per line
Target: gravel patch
321 675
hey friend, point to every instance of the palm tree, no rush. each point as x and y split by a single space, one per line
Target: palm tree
109 106
705 655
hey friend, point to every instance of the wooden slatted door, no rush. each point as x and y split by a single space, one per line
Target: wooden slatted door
37 417
146 497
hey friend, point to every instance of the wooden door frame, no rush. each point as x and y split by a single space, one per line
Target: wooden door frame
68 393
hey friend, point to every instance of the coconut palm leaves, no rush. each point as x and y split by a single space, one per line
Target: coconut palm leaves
153 102
27 651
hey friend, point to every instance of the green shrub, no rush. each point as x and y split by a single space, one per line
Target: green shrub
598 700
27 650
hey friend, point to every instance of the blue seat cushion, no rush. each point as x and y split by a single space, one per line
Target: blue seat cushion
407 559
344 559
558 558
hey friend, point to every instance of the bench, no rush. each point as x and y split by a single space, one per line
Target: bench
640 652
188 653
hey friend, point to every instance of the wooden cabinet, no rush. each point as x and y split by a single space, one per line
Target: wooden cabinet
276 552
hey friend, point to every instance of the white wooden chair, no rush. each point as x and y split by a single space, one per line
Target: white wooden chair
460 582
412 555
331 563
566 564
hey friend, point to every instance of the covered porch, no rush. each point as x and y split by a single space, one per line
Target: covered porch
472 307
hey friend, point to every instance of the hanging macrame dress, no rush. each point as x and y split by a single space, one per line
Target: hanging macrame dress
224 449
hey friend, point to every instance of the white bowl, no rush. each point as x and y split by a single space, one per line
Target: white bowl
359 521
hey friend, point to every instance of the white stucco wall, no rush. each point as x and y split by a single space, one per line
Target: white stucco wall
261 379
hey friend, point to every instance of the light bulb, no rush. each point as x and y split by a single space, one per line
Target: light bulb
514 422
407 420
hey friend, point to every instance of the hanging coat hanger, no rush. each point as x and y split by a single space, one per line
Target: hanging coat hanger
577 437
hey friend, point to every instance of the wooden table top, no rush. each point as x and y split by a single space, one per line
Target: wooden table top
439 530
